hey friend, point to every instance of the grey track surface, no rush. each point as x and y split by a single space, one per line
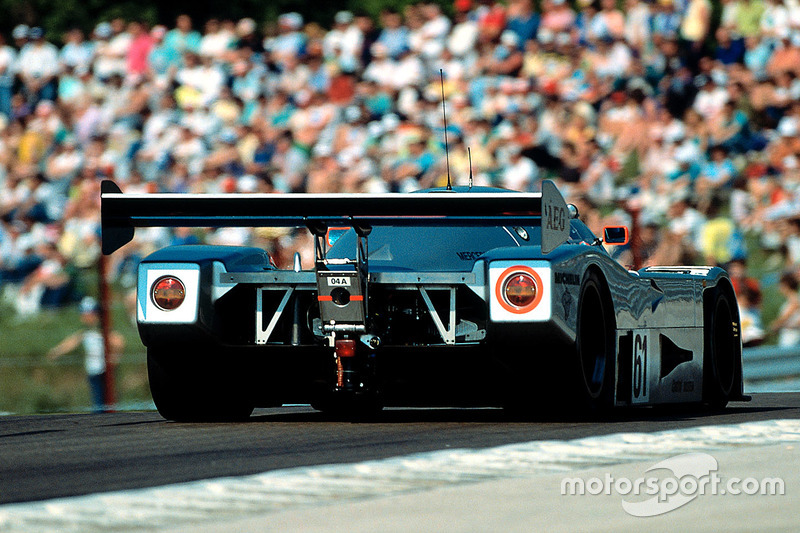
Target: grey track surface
50 456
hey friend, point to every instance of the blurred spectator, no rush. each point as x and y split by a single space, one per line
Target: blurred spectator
729 50
787 324
720 241
623 107
141 42
217 41
38 67
49 285
8 57
394 36
747 16
183 38
90 338
522 20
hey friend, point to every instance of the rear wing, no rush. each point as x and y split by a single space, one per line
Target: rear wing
121 213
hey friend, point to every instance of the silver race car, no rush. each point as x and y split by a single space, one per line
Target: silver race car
459 297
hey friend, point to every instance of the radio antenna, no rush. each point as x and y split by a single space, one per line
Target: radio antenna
446 148
469 154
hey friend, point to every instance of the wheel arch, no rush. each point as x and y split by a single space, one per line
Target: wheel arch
605 290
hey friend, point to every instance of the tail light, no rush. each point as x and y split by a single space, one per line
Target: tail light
345 347
168 293
519 289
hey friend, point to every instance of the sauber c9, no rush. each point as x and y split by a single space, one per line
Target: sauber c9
462 297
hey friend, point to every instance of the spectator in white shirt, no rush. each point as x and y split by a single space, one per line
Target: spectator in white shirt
38 67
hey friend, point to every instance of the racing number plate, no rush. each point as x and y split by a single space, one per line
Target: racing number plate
642 367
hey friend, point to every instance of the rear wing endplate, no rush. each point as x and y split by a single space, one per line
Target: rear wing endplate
121 213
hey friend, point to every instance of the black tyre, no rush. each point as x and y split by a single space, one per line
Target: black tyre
195 388
595 345
723 352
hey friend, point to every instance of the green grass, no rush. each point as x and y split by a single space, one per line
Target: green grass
766 266
30 383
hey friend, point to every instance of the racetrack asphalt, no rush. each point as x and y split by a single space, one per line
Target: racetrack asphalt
52 456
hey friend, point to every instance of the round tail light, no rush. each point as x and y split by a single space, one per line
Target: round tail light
168 293
520 289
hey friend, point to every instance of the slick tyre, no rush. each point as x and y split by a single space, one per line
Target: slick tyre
194 389
594 345
722 354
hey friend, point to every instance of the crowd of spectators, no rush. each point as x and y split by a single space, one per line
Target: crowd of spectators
656 115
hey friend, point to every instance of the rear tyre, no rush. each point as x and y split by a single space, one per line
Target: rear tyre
195 388
723 352
594 345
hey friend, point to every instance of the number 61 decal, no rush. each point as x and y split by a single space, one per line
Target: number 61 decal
640 386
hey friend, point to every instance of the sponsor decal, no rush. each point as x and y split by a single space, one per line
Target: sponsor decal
469 256
566 301
567 278
682 386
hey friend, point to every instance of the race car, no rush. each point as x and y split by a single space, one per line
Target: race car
461 296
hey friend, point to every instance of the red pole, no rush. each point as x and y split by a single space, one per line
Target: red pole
636 250
105 328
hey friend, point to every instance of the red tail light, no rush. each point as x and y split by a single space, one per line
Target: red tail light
520 290
168 293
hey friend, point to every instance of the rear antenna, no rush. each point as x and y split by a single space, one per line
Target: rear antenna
469 154
446 148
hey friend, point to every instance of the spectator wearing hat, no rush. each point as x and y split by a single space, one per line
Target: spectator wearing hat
290 44
20 35
343 42
248 42
105 64
90 338
38 67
